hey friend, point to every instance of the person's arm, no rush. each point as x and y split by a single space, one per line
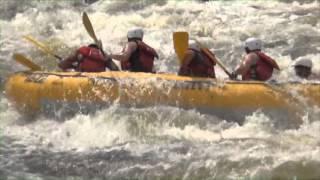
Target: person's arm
246 64
125 55
186 61
68 62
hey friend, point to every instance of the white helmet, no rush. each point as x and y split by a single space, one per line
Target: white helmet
194 45
135 33
306 62
253 44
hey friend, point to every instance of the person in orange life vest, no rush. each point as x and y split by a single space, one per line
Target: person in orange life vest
256 65
136 56
196 62
87 59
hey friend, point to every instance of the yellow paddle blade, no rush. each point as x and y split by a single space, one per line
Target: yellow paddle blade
87 24
180 43
26 62
41 46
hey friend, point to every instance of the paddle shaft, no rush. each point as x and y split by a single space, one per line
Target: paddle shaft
211 55
42 47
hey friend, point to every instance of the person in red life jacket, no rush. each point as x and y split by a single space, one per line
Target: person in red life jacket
197 63
136 56
256 65
88 59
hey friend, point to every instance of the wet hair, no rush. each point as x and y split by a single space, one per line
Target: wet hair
134 39
93 46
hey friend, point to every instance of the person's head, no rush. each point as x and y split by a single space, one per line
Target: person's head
303 67
252 44
193 45
93 46
135 34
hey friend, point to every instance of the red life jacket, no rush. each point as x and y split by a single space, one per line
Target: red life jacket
140 60
91 60
263 69
201 65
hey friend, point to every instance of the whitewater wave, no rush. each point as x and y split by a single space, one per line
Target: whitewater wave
159 142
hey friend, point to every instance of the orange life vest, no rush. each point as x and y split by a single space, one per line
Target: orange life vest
263 69
201 65
90 60
141 60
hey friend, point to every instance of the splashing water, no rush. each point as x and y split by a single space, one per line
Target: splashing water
159 142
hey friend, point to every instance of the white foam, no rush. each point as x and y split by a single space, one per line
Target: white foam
289 31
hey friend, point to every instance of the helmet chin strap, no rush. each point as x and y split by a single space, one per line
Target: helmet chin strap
249 51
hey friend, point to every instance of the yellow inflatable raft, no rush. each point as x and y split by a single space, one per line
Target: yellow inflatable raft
42 91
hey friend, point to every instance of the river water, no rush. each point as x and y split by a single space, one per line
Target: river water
159 142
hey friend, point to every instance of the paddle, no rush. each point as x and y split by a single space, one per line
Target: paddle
212 56
26 62
87 24
180 43
42 47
